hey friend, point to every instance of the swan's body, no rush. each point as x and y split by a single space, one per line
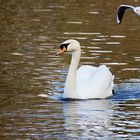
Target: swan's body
87 82
121 10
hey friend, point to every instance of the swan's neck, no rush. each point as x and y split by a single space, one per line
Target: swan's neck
70 90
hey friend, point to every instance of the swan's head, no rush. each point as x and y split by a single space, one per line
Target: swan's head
68 46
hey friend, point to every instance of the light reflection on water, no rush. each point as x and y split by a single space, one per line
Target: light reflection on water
30 35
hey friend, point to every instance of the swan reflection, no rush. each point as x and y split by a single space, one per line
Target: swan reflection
89 118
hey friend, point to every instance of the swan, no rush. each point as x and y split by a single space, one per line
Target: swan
87 82
121 10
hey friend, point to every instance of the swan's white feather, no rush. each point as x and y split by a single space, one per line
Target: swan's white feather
84 73
94 82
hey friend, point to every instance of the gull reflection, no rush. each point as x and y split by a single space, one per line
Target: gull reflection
85 119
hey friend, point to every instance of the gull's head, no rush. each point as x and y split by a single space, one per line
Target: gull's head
137 10
70 45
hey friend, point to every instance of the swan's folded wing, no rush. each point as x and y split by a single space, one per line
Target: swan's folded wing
84 73
97 84
102 79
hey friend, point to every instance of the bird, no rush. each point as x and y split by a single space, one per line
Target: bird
121 10
86 82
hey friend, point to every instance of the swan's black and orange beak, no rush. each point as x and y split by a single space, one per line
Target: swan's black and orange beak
61 51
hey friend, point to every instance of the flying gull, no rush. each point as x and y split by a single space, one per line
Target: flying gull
121 10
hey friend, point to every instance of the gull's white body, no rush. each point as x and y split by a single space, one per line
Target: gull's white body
87 82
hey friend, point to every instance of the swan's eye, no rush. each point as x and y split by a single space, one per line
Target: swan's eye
64 46
63 49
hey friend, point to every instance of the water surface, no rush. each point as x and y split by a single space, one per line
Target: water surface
30 33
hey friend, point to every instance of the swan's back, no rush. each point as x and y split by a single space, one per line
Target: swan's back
84 73
94 82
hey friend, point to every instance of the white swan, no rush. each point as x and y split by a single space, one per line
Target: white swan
87 82
121 10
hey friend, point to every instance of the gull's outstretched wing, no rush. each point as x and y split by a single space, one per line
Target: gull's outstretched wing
120 12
